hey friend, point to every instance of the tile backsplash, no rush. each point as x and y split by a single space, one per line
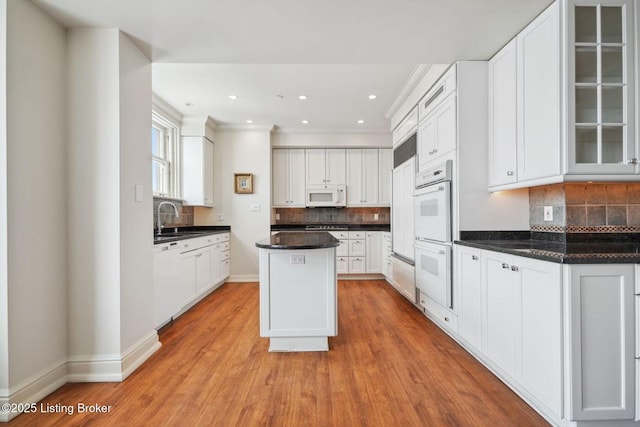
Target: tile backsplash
168 216
586 207
333 215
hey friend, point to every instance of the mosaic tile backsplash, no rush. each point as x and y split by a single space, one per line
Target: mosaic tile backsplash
586 208
168 216
333 216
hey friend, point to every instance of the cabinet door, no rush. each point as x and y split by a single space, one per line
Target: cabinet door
357 265
426 141
342 265
216 263
540 348
197 171
355 195
502 116
297 187
186 287
385 162
343 249
166 275
208 172
370 177
402 210
468 283
203 270
336 168
315 166
280 176
539 97
500 305
601 350
446 127
373 254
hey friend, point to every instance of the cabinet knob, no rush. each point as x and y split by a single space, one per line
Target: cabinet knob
474 257
632 161
505 265
509 173
446 319
514 268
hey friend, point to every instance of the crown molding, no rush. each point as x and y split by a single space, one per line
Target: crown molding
416 76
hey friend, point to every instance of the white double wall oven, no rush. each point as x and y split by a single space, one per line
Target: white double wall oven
433 236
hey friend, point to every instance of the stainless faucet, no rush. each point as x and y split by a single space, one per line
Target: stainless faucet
159 223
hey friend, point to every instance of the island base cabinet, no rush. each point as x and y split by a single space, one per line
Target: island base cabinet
600 341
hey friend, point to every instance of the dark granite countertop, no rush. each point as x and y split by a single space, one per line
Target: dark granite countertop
173 234
607 250
299 240
351 227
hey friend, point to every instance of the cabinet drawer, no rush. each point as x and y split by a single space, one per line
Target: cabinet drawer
224 255
357 265
357 235
224 237
342 265
445 317
357 248
224 246
340 235
438 93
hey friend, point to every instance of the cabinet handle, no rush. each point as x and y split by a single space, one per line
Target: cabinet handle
632 161
505 265
435 150
474 257
514 268
509 173
446 319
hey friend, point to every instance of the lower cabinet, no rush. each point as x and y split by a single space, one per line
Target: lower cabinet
404 279
359 252
186 271
562 335
373 252
387 265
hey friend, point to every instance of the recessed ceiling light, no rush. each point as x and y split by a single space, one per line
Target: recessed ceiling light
360 122
302 97
189 104
249 121
305 122
372 96
234 97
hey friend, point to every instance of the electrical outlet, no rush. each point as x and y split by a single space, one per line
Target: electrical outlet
296 259
220 217
277 217
375 217
548 213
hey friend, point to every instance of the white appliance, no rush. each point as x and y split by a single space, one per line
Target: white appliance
432 216
326 195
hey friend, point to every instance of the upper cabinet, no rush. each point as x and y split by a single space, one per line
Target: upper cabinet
325 166
385 166
574 98
406 127
288 178
363 184
197 171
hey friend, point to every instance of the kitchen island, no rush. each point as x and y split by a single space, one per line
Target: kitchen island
298 290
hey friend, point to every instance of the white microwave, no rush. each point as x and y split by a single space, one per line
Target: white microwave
326 196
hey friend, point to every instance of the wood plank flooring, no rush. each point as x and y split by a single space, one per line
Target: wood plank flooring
388 366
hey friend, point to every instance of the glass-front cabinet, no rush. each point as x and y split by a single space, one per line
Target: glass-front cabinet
601 87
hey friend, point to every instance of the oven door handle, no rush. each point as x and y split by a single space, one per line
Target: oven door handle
433 251
428 190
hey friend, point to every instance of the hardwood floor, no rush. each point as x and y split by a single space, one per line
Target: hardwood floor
388 366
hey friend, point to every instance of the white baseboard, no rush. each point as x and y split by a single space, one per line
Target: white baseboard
112 368
34 389
241 278
367 276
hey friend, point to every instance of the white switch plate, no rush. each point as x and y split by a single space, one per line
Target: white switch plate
220 217
254 207
139 193
548 213
277 217
296 259
375 217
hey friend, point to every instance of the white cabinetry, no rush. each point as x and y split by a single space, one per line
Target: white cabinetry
288 178
468 280
404 279
197 171
166 274
385 166
362 177
575 97
502 116
402 209
373 252
325 166
386 250
600 341
437 132
406 127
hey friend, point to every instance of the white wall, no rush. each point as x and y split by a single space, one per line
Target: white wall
332 139
36 192
110 243
236 151
136 224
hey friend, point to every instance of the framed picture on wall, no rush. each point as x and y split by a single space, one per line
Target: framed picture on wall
243 183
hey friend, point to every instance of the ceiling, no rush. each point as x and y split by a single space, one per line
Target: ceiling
337 52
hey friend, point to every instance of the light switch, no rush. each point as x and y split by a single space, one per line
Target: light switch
254 207
548 213
220 217
139 193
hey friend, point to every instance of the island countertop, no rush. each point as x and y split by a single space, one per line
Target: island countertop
299 240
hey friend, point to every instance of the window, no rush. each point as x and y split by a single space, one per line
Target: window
164 158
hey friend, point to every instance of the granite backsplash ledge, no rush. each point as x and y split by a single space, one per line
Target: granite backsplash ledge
586 208
333 215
